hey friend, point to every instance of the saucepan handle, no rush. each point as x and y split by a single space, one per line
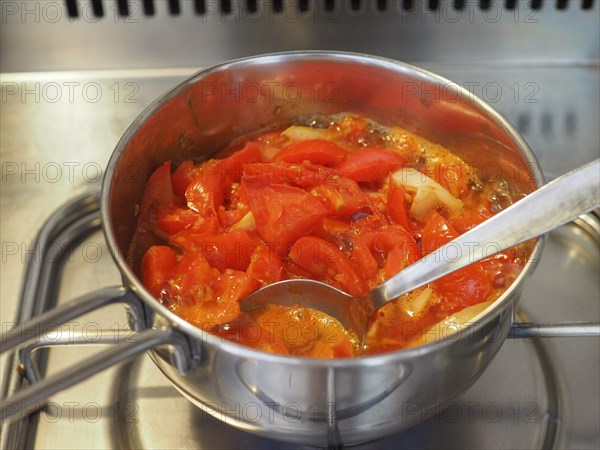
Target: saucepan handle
524 330
39 328
52 319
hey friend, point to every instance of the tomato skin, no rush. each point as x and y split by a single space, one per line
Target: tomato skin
325 262
193 277
465 287
401 249
191 237
233 166
229 250
396 204
363 258
171 218
316 151
370 164
205 193
265 266
158 266
235 206
303 175
341 196
392 245
183 176
343 349
283 213
354 128
468 220
204 294
437 232
232 286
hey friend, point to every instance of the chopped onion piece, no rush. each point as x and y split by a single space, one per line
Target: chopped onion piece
245 223
418 302
428 193
299 133
424 201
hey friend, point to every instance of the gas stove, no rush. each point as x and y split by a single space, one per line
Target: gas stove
70 88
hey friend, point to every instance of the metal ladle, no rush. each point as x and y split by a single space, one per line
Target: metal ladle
554 204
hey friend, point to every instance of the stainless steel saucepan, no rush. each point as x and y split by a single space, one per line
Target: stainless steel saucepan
300 400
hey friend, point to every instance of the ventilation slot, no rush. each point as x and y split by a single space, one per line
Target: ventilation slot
123 8
536 4
72 10
303 5
252 6
200 7
174 8
226 6
148 7
278 6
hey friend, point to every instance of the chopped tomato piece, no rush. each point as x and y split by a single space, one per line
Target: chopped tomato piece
191 236
370 164
467 286
158 266
233 286
316 151
233 165
193 277
341 196
172 219
343 349
354 128
468 219
391 248
265 266
205 193
303 175
183 176
396 204
436 233
363 258
229 250
234 207
283 213
325 262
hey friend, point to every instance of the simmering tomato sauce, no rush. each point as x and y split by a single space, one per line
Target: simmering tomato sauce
342 200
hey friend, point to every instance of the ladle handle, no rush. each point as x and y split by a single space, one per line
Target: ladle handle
554 204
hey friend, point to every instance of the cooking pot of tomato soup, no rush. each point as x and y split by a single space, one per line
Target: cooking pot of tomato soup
335 166
304 96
